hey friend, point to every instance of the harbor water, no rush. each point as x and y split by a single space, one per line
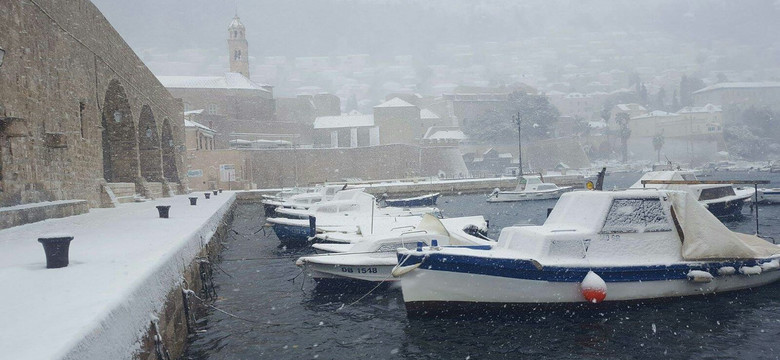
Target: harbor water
269 310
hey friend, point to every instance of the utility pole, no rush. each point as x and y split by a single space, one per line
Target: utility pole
518 121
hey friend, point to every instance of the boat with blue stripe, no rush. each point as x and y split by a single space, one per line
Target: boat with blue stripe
595 246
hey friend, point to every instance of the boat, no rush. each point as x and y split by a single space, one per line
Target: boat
418 201
529 188
769 195
596 246
302 200
373 259
355 216
343 201
723 200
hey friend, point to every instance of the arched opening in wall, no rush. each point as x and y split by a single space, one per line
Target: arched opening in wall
120 147
149 154
170 172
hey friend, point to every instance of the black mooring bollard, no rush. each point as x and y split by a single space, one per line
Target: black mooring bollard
193 200
214 191
208 195
56 249
163 210
220 191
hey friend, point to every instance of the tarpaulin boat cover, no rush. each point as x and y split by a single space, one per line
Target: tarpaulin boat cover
706 238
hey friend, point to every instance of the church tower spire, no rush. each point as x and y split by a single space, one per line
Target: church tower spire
238 47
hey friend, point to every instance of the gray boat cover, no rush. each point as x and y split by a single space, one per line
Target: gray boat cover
706 238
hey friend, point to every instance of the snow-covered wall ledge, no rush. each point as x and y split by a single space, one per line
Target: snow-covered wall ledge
123 264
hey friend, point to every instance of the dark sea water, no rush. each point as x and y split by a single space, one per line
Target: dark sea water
290 319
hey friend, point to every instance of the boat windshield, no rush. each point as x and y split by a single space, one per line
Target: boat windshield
636 216
716 192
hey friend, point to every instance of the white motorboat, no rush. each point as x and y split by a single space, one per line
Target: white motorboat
769 195
374 258
302 200
722 200
345 201
355 216
595 246
529 188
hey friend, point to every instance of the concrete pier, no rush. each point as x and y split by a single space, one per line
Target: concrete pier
123 286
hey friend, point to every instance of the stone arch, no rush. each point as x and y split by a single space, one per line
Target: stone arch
170 171
120 146
149 154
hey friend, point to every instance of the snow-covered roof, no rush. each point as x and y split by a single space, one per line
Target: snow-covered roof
193 124
193 112
505 156
444 133
428 114
655 113
231 80
394 102
343 121
739 85
630 107
709 108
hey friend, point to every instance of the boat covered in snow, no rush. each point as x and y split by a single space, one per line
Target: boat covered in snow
302 200
595 246
529 188
723 200
373 258
358 215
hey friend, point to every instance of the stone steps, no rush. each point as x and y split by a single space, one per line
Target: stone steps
124 192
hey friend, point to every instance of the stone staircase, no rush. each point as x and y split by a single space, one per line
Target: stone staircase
123 192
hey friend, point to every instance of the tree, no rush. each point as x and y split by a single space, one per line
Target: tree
581 126
675 102
660 99
491 127
687 86
658 144
624 132
537 115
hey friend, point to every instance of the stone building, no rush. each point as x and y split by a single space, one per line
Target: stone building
81 116
399 122
742 94
233 104
345 131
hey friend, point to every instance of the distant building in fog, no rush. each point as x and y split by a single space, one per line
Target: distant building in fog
741 94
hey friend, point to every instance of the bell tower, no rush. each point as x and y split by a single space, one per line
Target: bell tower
238 47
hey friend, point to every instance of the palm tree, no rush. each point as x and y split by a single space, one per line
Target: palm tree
658 144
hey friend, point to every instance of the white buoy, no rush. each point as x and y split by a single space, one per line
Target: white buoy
593 288
727 270
699 276
750 270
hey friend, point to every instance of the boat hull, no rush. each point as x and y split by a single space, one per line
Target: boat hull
444 280
731 208
292 235
414 202
365 273
510 196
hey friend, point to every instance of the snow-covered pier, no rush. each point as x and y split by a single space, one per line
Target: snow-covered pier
124 282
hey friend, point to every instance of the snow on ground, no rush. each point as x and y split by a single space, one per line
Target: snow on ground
123 262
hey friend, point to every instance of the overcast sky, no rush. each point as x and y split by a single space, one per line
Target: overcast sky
172 31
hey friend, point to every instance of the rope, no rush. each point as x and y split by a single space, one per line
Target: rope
190 292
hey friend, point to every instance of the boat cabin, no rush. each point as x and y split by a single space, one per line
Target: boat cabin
632 227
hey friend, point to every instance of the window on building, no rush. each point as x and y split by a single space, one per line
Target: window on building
82 107
213 109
